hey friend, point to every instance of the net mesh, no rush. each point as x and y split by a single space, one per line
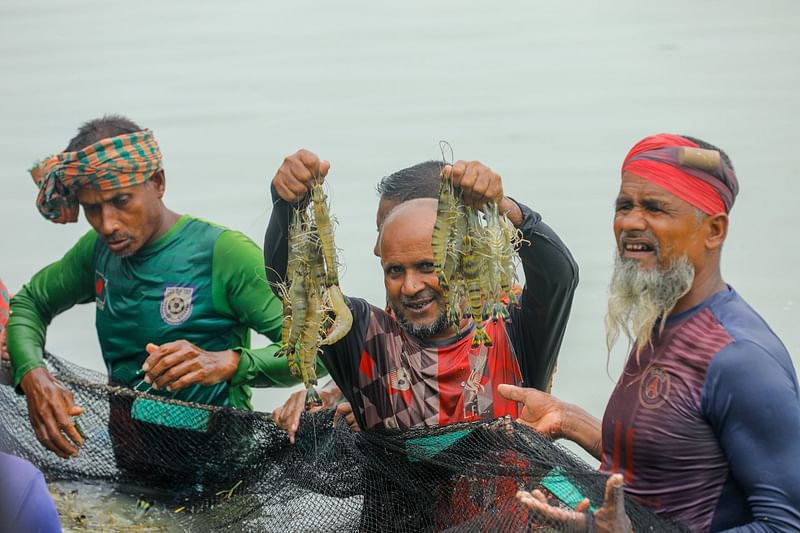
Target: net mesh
222 469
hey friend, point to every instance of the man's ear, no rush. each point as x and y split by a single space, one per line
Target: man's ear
159 181
716 230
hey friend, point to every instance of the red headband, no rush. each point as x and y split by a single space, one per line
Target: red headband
655 159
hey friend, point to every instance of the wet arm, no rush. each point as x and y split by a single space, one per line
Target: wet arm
52 290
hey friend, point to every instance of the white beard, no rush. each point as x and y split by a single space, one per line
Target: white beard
639 298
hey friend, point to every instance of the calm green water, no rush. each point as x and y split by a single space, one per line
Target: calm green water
550 94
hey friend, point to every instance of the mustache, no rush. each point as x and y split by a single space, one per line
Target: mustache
117 236
640 234
424 294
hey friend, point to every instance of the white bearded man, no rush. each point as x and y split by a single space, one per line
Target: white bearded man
703 426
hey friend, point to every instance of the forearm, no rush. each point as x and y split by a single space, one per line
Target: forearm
276 245
583 429
52 290
261 368
26 332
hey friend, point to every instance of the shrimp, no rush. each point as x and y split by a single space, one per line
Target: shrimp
471 269
309 343
299 308
322 220
344 318
441 230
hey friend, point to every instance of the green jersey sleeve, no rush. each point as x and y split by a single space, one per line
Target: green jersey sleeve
240 289
52 290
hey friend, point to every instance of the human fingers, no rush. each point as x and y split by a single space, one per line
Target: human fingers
318 167
287 416
342 410
351 422
154 354
46 430
464 176
167 356
52 422
298 173
537 502
512 392
612 516
180 376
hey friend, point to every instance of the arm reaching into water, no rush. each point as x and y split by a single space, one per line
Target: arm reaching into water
54 289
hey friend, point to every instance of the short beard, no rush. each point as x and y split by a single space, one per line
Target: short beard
421 331
640 298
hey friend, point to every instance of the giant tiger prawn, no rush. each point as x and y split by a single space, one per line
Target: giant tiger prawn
315 312
475 255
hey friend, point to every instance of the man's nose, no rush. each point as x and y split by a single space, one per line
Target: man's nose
412 284
632 220
109 222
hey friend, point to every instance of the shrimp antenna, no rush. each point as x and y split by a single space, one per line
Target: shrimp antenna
446 150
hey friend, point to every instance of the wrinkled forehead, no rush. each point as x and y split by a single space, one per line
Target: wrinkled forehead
91 194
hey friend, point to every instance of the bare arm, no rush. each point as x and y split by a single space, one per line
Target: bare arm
558 420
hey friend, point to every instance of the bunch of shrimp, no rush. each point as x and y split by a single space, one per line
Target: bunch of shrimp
474 253
314 309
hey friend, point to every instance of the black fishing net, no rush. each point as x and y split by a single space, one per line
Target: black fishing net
221 469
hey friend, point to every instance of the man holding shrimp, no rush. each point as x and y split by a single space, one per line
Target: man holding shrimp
409 367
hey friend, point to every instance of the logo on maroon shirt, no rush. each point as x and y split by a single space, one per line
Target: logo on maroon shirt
654 389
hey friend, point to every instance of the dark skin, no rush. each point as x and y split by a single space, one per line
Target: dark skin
646 218
293 181
127 219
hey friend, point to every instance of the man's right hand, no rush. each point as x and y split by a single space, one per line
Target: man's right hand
540 411
298 173
51 407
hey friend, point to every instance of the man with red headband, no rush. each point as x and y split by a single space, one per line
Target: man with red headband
176 296
703 426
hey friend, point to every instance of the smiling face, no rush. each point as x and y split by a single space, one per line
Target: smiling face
655 227
412 285
126 218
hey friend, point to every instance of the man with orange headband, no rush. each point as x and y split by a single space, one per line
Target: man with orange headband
175 296
703 426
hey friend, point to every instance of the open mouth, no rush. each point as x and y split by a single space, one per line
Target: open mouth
638 247
418 305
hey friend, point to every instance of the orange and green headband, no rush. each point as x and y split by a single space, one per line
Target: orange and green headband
111 163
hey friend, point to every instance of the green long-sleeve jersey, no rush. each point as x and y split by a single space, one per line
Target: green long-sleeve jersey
199 282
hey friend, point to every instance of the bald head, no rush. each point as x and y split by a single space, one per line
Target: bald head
412 220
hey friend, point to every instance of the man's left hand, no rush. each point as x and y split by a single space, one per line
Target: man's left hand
481 185
610 518
179 364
